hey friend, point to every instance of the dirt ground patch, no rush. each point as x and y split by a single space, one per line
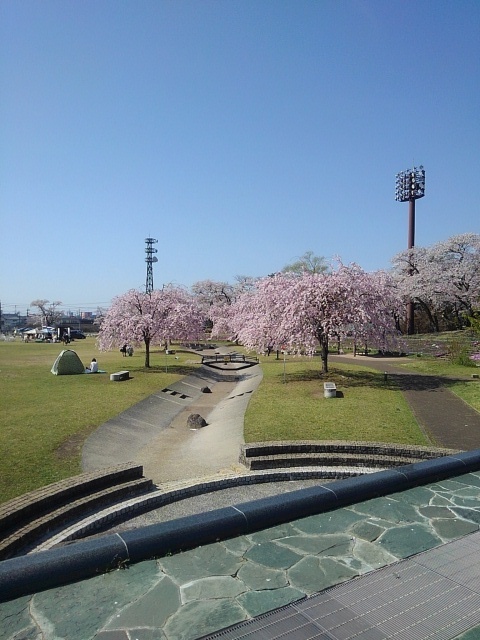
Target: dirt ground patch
71 447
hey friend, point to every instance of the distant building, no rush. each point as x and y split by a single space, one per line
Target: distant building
11 321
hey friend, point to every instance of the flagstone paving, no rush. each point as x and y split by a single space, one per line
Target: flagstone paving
185 596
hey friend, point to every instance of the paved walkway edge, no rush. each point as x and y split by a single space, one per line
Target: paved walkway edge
48 569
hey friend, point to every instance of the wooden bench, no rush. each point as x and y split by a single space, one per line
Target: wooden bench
119 376
329 390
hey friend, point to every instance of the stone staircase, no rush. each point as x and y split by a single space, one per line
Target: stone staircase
28 518
332 454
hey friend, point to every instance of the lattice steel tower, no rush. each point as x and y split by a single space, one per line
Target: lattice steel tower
150 259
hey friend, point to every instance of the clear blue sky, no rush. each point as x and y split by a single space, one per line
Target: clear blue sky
238 133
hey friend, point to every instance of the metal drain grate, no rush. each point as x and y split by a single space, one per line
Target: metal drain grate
434 595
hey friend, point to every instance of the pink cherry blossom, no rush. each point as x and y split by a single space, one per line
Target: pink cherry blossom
153 318
443 280
302 312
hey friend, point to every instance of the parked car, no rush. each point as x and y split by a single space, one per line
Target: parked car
77 335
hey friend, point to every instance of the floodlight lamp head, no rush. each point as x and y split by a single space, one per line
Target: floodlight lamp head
410 184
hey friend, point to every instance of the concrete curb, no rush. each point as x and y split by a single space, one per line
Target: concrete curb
48 569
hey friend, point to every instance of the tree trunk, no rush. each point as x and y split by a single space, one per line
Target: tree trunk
432 318
324 353
147 353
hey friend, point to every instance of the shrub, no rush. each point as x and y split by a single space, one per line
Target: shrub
459 353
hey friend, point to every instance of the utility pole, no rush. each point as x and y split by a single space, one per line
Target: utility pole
410 186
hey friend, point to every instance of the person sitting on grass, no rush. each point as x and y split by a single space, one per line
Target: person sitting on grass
93 368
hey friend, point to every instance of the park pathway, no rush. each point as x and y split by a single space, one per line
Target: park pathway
446 419
154 432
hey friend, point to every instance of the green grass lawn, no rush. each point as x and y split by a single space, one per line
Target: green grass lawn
45 418
292 407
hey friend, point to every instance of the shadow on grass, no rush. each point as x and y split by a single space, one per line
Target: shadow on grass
415 382
343 377
393 381
181 370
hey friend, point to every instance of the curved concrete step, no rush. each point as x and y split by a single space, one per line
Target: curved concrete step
181 490
271 455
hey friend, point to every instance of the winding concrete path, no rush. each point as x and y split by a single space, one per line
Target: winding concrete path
154 432
178 453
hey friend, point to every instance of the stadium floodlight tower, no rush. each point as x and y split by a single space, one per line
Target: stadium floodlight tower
410 186
150 259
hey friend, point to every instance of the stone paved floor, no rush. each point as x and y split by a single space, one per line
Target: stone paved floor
197 592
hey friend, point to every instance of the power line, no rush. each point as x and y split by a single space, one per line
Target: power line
63 304
24 308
